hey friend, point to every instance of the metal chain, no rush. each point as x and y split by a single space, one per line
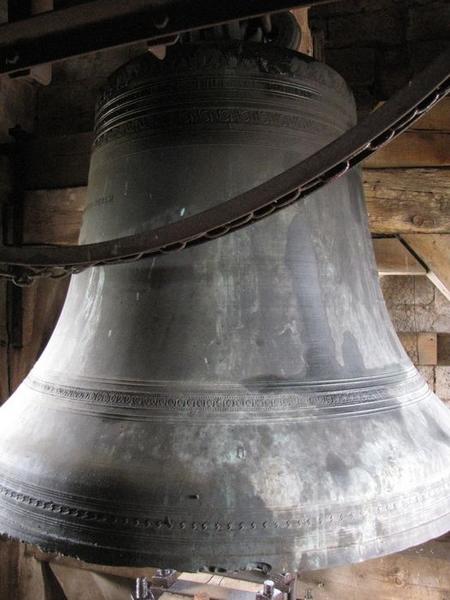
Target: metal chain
341 161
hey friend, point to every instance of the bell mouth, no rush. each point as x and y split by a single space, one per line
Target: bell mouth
361 507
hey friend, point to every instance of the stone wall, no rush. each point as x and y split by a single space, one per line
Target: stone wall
416 306
377 45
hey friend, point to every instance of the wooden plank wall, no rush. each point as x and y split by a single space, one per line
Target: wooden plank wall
17 101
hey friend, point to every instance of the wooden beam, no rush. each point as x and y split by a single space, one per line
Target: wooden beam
398 200
393 258
53 216
35 579
49 216
434 251
407 200
422 572
413 149
86 585
79 565
306 43
437 119
42 304
403 576
425 144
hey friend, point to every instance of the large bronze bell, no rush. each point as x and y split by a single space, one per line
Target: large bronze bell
244 403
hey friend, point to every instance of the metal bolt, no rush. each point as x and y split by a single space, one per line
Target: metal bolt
268 588
143 591
164 572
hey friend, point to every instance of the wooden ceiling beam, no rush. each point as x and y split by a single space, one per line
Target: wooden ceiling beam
413 149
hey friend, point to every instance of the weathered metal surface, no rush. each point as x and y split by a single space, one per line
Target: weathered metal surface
328 163
242 404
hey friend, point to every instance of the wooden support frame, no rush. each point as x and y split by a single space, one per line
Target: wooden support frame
416 254
393 258
434 252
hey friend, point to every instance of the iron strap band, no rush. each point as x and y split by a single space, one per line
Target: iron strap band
332 161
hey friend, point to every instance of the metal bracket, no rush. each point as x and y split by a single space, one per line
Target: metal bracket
153 589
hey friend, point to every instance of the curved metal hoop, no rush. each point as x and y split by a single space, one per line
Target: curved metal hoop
331 162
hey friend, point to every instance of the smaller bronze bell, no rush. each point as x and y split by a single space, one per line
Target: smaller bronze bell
243 404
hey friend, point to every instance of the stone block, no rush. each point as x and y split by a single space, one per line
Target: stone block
443 383
428 373
409 343
443 349
413 318
427 349
442 308
401 290
420 347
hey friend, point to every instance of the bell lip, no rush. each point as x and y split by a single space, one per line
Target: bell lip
310 560
16 523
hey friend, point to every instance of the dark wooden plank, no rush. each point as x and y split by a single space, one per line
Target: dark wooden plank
42 304
53 217
4 343
9 565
